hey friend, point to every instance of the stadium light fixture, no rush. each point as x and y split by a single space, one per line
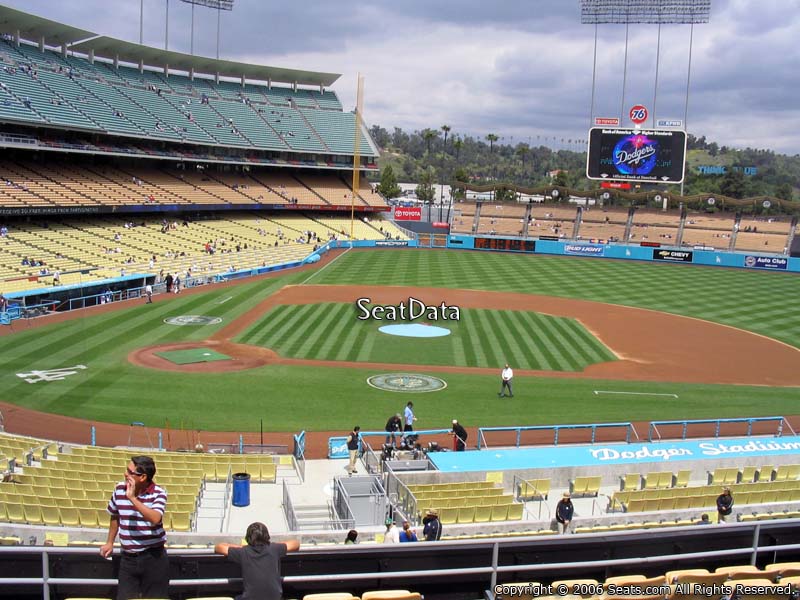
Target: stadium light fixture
624 12
217 4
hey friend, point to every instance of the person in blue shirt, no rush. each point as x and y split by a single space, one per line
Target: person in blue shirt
407 534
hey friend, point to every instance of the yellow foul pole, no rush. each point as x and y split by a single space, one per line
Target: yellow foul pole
356 151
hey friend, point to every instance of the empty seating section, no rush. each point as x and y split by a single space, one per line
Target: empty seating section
585 486
42 101
337 129
288 188
49 493
466 502
696 497
534 489
45 87
293 128
332 189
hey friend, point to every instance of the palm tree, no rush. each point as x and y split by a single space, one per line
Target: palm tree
428 135
458 143
522 152
491 138
446 129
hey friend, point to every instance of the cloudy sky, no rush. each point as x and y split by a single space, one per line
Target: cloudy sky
521 69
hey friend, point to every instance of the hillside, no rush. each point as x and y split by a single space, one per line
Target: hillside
427 154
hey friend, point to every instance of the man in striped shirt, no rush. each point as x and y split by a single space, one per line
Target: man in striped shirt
137 509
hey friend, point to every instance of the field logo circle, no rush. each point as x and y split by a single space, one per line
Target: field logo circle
192 320
406 382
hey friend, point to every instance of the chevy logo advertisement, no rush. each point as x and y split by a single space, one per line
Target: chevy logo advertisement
673 255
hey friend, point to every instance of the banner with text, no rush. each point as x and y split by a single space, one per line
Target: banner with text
584 250
766 262
407 213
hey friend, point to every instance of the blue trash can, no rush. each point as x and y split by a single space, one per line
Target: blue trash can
241 489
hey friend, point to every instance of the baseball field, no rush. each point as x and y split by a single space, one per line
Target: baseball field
590 340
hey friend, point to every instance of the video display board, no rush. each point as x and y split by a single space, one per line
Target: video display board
636 155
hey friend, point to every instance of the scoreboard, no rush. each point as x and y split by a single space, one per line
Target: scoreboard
636 155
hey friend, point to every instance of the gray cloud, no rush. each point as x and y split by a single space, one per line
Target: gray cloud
521 69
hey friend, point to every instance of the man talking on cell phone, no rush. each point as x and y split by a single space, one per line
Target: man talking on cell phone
137 511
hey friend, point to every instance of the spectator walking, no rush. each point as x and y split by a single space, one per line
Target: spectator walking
392 535
148 292
137 509
260 562
505 382
352 448
168 280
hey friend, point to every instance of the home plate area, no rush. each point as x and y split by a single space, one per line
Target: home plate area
192 355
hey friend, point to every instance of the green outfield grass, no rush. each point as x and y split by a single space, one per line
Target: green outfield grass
482 338
290 398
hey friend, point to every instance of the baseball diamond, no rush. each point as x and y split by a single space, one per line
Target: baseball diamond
308 345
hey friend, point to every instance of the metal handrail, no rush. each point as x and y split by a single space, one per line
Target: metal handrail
717 423
557 428
492 569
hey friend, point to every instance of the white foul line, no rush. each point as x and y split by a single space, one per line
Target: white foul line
326 266
635 393
224 300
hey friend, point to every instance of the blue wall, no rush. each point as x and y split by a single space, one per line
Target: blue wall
686 255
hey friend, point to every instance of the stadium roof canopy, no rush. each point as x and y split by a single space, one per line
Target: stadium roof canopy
31 27
52 33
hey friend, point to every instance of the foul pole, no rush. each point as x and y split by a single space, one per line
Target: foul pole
356 152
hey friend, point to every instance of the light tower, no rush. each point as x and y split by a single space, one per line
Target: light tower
218 5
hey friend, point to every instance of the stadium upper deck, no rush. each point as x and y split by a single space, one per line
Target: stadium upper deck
87 87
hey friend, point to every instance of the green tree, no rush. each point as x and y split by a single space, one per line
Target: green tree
429 135
458 144
446 130
561 179
491 138
522 151
425 191
388 187
784 191
733 184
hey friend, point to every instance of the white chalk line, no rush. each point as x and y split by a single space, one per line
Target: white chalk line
597 392
326 266
224 300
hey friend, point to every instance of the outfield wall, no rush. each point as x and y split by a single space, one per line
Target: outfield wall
654 253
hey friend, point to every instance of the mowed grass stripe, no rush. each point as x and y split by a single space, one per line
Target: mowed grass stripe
327 342
545 343
476 342
510 343
309 327
458 346
489 340
320 329
269 323
553 345
574 350
286 330
346 343
596 351
532 329
524 358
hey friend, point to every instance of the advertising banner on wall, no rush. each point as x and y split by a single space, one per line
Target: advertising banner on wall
407 213
673 255
584 250
766 262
